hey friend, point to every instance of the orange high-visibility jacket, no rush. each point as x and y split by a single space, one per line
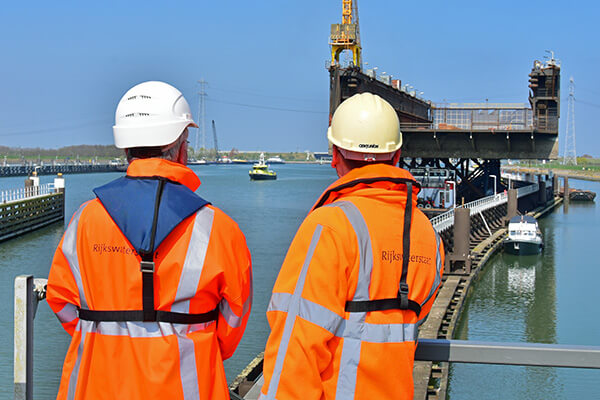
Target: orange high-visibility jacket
202 265
349 250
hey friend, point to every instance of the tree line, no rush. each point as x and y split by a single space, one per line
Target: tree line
71 152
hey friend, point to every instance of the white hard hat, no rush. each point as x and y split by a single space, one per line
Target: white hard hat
368 125
151 114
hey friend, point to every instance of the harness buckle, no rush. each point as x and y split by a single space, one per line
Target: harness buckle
403 295
403 288
147 266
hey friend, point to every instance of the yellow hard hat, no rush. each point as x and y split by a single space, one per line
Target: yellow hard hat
366 123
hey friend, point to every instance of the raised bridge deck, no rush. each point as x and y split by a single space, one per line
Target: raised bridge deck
489 131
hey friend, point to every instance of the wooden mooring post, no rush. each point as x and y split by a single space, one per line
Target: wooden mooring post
32 207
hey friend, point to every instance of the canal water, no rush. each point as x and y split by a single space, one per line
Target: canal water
550 298
268 212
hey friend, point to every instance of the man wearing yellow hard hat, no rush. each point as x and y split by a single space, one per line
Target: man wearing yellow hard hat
359 277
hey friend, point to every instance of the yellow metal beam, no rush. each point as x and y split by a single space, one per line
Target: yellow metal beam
345 36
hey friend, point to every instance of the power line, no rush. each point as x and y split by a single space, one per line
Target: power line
590 91
248 93
266 107
587 103
56 129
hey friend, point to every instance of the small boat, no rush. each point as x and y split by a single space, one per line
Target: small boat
524 236
275 160
260 171
581 195
193 161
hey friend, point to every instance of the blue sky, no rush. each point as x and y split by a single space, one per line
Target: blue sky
66 64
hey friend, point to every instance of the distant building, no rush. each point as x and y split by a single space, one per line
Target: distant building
322 156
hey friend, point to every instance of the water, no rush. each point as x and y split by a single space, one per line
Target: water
550 298
268 212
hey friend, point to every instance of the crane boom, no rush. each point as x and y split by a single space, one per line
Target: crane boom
214 129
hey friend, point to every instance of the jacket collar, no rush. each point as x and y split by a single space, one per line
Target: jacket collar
167 169
380 176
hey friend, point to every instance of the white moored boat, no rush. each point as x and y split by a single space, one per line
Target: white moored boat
524 236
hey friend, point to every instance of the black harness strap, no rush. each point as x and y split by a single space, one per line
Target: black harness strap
147 268
402 302
147 263
382 305
138 315
403 290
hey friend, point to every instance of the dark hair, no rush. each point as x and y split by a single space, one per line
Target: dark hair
167 152
144 152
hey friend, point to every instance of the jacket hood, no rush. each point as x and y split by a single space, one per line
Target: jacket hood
381 176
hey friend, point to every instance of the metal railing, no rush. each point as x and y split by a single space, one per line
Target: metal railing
29 292
526 190
446 220
502 353
7 196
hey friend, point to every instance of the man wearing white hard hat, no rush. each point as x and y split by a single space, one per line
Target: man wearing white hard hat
153 282
360 276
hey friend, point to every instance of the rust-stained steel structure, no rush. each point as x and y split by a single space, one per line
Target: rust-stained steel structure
470 139
490 131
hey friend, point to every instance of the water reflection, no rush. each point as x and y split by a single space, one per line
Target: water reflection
514 300
539 299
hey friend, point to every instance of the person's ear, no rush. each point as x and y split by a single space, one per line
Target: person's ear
396 158
335 159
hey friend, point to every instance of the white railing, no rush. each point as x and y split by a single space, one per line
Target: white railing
443 221
446 220
525 190
7 196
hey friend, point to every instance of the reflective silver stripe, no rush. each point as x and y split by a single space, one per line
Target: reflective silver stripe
75 372
232 319
194 260
438 269
378 333
199 327
346 383
364 247
133 329
67 314
69 249
338 326
292 312
187 368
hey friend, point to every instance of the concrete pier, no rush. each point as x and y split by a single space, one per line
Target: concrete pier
32 207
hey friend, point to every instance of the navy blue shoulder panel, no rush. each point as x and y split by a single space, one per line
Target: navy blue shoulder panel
130 203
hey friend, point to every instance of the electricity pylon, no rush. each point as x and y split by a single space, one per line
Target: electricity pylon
570 155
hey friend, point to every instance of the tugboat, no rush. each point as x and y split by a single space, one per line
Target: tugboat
524 236
260 171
